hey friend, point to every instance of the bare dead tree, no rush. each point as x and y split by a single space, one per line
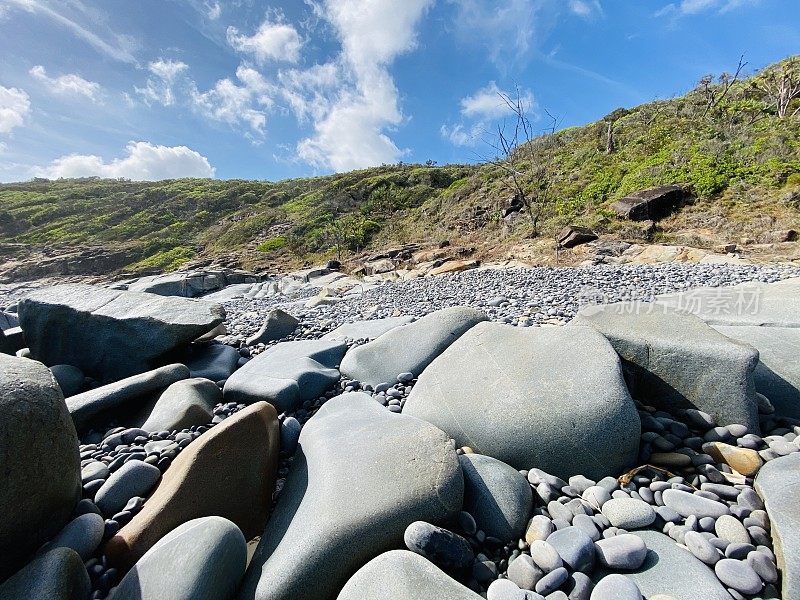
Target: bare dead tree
524 157
715 94
610 138
781 87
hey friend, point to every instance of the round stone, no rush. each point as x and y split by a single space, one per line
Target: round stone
625 552
597 496
691 504
738 575
552 581
701 547
539 528
524 572
629 513
545 556
732 530
83 534
574 547
440 546
616 587
503 589
763 565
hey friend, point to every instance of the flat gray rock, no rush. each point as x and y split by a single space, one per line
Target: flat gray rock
183 404
231 292
409 349
778 484
403 575
672 571
213 361
287 374
111 334
673 361
558 401
753 304
56 575
496 495
777 374
39 460
137 389
203 558
367 330
361 476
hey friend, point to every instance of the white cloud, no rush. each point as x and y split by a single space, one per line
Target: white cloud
67 85
235 104
160 88
488 104
694 7
586 9
353 118
143 162
276 41
116 46
213 10
15 104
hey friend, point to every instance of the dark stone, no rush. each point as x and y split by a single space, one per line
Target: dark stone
574 235
652 204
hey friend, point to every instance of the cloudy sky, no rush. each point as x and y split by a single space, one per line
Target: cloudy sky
151 89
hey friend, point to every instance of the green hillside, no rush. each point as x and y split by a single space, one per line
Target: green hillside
731 143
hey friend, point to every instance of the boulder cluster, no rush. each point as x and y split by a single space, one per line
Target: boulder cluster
508 443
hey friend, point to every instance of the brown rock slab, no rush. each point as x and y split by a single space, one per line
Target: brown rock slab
227 472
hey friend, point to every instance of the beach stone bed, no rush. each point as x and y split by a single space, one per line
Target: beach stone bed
363 452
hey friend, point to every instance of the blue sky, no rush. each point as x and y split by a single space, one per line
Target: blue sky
150 89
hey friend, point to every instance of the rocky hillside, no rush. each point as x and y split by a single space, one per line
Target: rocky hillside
733 147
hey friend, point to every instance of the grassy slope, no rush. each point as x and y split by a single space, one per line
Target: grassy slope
741 161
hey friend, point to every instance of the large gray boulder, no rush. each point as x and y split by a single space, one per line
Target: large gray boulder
777 374
778 484
552 398
403 575
111 334
496 495
184 404
674 361
212 361
39 460
137 390
411 348
361 476
367 330
203 558
287 374
58 574
672 571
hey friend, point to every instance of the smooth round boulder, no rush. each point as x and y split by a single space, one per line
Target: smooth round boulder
558 401
185 403
497 496
731 529
58 574
524 572
39 461
203 558
134 478
700 546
